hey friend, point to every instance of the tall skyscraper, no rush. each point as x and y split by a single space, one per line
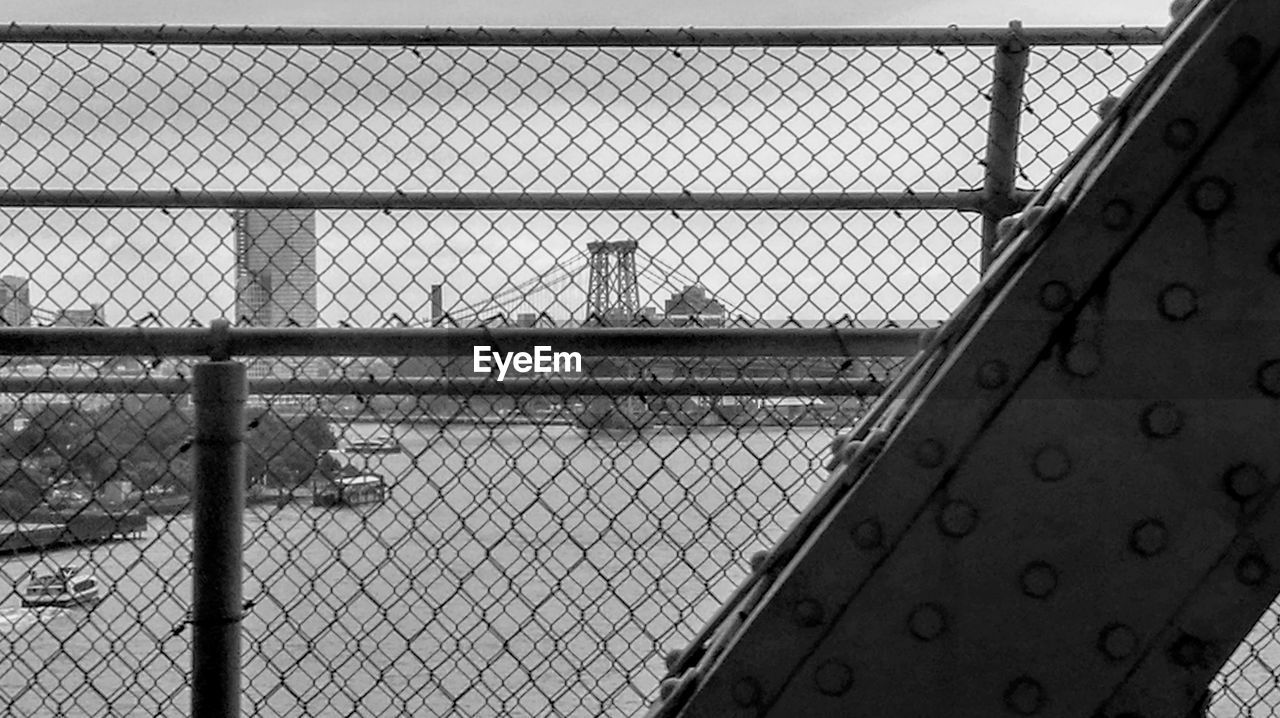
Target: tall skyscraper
15 301
276 278
276 267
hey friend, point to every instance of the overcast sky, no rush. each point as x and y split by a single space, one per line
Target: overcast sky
591 12
533 120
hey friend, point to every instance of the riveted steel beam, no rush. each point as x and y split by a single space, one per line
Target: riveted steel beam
1066 508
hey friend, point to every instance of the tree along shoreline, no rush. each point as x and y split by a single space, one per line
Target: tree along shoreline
134 455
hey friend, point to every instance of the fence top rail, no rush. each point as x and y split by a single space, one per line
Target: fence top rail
222 342
575 37
272 389
964 200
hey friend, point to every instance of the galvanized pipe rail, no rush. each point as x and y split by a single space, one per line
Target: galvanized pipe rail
459 386
222 341
571 37
999 197
217 546
171 198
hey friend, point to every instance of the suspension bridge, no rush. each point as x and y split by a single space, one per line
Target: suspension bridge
604 283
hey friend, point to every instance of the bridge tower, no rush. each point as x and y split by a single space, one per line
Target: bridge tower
613 294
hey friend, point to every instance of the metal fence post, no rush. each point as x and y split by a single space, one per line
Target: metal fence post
219 391
998 200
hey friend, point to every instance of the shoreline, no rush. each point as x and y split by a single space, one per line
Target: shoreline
81 530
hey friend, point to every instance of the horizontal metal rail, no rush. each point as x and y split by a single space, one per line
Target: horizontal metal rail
963 200
223 342
572 37
459 386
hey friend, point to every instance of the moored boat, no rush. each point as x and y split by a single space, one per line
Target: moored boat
606 414
378 443
350 491
65 586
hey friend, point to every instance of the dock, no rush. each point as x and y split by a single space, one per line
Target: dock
82 530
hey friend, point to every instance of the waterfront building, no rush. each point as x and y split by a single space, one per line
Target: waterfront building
15 301
91 316
694 305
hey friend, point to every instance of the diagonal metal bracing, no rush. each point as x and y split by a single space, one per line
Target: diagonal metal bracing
1067 509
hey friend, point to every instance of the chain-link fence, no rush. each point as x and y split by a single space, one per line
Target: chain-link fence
771 214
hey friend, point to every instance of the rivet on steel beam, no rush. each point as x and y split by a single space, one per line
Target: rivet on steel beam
1181 133
1116 214
926 337
1008 227
1244 481
1117 641
993 374
1178 11
672 659
1210 196
758 560
1031 216
1148 537
807 613
1082 359
927 621
930 453
1244 52
1039 579
1178 302
957 518
851 450
1268 378
1106 105
1273 258
833 678
1025 696
667 687
745 692
1051 463
868 534
1161 420
1252 569
1188 651
1056 296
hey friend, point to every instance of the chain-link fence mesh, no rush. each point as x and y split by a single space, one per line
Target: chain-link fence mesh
535 553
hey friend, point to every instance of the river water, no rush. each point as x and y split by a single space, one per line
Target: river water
514 571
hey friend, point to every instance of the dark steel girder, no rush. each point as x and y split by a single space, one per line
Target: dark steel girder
1067 507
